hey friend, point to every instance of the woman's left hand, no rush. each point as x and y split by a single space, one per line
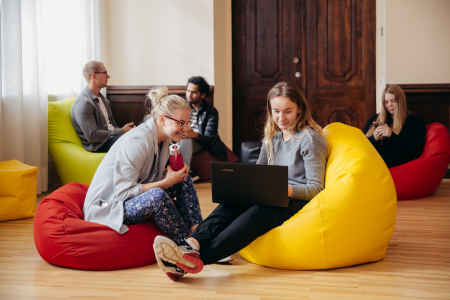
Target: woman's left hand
290 191
385 130
174 177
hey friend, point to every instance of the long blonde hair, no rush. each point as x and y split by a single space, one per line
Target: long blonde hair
400 112
304 119
163 103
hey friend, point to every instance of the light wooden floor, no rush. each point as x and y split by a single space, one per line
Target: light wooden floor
417 266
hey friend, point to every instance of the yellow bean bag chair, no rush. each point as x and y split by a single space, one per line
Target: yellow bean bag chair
18 190
72 161
350 222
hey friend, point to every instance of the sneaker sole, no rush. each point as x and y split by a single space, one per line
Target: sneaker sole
160 263
167 250
174 277
162 266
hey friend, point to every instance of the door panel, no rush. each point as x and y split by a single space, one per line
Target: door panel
341 60
330 45
338 48
267 37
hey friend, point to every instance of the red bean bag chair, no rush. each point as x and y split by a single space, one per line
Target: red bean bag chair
201 163
63 238
421 177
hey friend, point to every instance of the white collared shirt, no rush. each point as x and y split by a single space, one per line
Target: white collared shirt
105 113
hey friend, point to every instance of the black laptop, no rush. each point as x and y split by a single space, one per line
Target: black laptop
248 184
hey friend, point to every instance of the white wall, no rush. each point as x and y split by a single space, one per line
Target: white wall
417 41
380 51
415 46
151 42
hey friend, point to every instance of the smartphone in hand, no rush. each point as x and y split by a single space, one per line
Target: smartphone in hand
376 124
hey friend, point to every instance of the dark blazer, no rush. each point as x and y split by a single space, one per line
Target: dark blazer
89 123
208 123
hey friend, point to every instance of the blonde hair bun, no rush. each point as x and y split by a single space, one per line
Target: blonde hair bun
156 94
163 103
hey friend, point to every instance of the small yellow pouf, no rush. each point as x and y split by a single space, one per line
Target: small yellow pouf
350 222
18 190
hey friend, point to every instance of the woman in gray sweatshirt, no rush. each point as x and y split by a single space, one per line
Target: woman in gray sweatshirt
291 138
128 186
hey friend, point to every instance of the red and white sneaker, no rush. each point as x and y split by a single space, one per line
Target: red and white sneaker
172 271
175 256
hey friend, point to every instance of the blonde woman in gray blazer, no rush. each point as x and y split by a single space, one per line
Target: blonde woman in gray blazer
128 186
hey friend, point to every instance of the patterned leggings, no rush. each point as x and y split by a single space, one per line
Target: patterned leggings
173 220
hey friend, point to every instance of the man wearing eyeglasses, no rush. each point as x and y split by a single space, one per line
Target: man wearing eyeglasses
91 112
202 133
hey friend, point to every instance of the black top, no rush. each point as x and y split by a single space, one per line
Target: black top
408 144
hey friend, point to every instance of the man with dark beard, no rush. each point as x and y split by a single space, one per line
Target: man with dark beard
205 121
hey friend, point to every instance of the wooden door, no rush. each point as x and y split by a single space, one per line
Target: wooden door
268 47
341 79
326 48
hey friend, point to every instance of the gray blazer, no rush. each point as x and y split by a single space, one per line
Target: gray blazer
89 123
133 160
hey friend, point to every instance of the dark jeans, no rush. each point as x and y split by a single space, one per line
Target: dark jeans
108 144
230 228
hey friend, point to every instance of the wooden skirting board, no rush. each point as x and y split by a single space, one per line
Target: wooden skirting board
430 101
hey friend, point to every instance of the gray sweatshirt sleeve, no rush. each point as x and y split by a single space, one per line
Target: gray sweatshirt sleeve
262 159
314 152
130 159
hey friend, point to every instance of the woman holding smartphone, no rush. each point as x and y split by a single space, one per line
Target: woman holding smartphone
291 138
396 133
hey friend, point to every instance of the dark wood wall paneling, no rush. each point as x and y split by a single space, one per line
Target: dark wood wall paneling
129 104
430 101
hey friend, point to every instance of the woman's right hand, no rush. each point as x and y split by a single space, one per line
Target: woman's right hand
383 130
174 177
377 133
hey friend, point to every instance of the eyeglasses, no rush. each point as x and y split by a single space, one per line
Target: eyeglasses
106 73
181 123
